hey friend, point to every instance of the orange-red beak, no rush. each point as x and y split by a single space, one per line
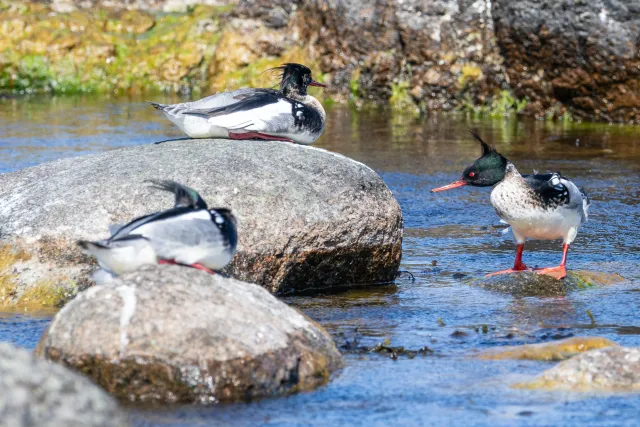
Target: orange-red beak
456 184
315 83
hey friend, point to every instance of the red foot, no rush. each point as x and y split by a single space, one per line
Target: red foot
197 266
250 135
518 265
559 272
515 269
203 268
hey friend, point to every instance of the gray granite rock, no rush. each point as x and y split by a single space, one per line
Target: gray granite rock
606 369
37 393
307 218
176 334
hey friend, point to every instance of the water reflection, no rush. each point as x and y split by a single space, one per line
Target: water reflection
448 238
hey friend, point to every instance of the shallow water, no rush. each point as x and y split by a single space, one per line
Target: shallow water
445 234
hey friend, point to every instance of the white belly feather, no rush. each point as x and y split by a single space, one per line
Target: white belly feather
530 220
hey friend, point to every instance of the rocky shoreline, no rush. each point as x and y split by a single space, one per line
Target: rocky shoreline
502 57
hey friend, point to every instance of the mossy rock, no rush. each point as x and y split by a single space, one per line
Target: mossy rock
549 351
527 283
609 369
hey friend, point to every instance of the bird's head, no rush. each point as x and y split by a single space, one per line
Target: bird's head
295 79
487 170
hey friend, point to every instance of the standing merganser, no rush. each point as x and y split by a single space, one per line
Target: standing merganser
544 207
288 114
188 234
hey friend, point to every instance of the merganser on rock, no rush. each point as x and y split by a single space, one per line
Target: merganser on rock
188 234
539 206
288 114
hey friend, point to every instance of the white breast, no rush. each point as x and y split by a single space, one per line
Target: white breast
530 220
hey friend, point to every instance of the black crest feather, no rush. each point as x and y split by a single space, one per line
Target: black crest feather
185 196
291 77
486 148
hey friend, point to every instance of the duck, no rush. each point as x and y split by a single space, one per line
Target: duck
288 114
189 234
537 206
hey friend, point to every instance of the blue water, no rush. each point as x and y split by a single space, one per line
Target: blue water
457 231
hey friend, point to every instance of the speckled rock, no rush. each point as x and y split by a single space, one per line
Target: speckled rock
176 334
439 55
608 369
34 392
307 218
554 350
531 284
584 54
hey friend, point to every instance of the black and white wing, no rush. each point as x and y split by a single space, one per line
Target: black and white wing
554 190
264 111
139 222
186 238
217 100
550 188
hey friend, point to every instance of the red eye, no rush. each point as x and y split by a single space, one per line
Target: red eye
472 174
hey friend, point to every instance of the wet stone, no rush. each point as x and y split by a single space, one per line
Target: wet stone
531 284
555 350
608 369
179 335
34 392
308 219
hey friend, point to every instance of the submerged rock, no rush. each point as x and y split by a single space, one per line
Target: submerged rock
34 392
555 350
608 369
308 219
531 284
174 334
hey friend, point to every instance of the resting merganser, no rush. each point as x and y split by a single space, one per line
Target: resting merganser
188 234
544 207
288 114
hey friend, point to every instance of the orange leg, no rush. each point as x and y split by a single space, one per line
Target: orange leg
197 266
559 272
518 265
203 268
259 135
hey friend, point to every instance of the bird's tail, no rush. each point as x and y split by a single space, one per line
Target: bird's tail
185 196
157 106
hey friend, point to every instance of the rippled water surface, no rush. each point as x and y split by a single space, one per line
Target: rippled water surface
448 237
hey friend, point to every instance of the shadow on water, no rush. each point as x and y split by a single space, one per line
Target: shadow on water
384 332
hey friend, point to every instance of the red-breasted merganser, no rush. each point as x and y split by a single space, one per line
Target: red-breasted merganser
189 234
288 114
543 207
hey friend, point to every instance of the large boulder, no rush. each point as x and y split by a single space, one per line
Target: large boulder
607 369
584 54
34 392
176 334
307 218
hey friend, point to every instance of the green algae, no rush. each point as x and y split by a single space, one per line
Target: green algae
105 51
